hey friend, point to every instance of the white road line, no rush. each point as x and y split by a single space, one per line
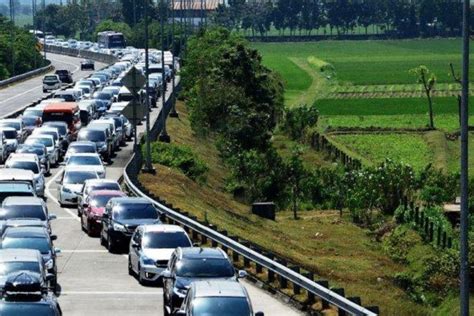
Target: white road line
27 91
108 293
84 251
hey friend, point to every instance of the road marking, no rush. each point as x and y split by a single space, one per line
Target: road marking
109 293
84 251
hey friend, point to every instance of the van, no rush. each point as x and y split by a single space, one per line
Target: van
51 82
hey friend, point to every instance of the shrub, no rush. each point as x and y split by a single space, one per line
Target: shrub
399 242
298 119
180 157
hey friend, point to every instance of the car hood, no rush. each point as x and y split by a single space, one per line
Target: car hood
158 254
73 187
185 283
131 224
3 278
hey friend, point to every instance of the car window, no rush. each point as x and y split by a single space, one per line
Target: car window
204 268
26 165
160 240
103 186
48 142
134 211
235 306
81 149
9 267
78 177
100 200
25 308
10 134
22 211
40 244
84 160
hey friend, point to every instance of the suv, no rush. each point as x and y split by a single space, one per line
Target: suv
18 125
26 208
190 264
100 138
215 298
40 151
151 248
64 75
122 216
24 293
29 162
51 82
87 64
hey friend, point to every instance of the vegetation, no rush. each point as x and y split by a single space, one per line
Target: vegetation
25 57
428 81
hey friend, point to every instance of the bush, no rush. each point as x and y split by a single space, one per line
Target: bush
437 187
180 157
399 242
298 119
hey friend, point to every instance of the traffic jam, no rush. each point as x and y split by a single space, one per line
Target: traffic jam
71 139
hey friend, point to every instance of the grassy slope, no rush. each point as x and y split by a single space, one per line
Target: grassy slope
333 248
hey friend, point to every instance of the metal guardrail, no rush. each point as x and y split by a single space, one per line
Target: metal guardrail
344 304
26 75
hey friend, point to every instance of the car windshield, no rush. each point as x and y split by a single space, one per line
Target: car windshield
33 112
157 240
235 306
81 149
51 133
92 135
103 186
10 134
135 211
100 200
103 96
50 78
62 129
26 308
22 211
26 165
48 142
15 125
204 268
78 177
31 150
84 160
38 243
15 266
29 120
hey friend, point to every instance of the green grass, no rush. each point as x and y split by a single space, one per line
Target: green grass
370 62
408 148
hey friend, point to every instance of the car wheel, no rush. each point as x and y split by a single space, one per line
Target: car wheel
130 270
165 310
141 280
102 240
111 246
82 225
44 91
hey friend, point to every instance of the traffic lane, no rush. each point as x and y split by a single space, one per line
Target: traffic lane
23 93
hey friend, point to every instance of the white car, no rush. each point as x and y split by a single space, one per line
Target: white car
28 162
48 141
79 147
87 161
151 247
11 140
71 182
51 82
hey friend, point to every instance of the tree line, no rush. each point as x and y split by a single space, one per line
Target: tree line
398 18
18 52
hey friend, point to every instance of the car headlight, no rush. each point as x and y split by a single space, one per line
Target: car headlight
181 292
49 264
148 261
43 160
119 227
66 190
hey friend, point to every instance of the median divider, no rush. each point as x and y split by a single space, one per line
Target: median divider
26 75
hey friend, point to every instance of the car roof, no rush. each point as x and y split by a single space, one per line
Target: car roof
23 200
26 232
5 128
164 228
198 252
22 255
23 156
85 155
107 192
15 173
16 120
130 199
52 123
218 288
69 169
82 143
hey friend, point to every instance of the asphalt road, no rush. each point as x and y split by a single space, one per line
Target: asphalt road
92 280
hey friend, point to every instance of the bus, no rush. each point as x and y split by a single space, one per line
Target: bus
110 39
68 112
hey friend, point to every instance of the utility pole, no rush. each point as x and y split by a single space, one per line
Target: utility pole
33 17
173 112
164 137
464 269
43 29
12 35
134 13
148 166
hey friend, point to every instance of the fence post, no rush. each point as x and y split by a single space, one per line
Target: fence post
311 297
296 288
444 239
324 303
270 273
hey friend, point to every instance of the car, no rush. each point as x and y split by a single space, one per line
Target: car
31 122
150 249
29 162
64 133
95 185
93 208
88 161
11 140
99 137
18 125
49 143
104 96
67 95
122 216
119 123
53 131
64 75
40 151
113 131
24 293
15 188
191 264
16 260
4 147
71 183
36 238
216 298
26 208
51 82
33 111
79 147
87 64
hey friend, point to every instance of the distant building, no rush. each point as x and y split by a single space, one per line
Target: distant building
195 10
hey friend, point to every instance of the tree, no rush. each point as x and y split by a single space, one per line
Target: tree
296 176
428 81
109 25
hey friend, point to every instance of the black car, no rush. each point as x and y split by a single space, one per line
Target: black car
87 64
64 75
122 216
99 138
191 264
24 293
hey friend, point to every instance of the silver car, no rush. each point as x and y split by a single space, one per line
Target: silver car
71 184
29 162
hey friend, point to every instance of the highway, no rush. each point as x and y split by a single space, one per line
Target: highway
92 280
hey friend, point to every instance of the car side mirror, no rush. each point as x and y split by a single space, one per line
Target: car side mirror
54 237
135 245
166 274
52 217
242 274
259 314
57 250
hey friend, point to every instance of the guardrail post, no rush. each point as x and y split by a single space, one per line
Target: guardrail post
311 297
270 273
246 260
235 255
374 309
324 303
355 299
258 267
224 248
203 240
340 291
283 282
296 288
